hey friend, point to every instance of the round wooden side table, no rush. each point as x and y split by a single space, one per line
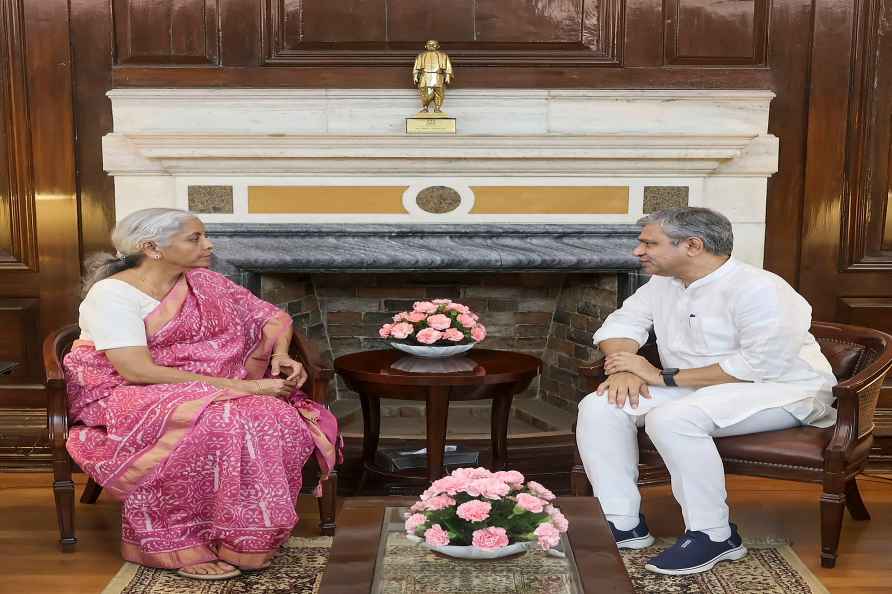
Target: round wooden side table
496 375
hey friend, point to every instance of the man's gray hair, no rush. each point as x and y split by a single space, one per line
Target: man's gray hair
712 227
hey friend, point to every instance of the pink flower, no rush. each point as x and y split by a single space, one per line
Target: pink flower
439 322
462 309
491 488
490 538
540 491
400 316
436 536
441 301
428 336
512 477
557 518
453 334
401 330
549 537
472 473
474 510
425 307
439 502
529 503
384 332
467 321
478 332
449 485
414 521
416 316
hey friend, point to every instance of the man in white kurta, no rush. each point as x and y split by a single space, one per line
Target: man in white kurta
738 358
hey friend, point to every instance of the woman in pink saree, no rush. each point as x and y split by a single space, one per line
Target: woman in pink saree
184 416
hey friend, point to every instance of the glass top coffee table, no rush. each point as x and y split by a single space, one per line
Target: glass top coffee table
370 554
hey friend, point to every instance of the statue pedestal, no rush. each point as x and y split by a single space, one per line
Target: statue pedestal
430 123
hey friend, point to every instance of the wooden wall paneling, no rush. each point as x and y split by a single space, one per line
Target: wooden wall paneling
642 34
166 31
409 20
20 340
383 33
789 56
240 33
18 247
865 194
716 32
48 59
91 45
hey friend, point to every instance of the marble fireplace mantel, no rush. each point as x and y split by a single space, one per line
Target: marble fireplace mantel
713 142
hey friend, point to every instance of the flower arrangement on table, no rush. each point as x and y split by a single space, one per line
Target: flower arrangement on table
487 511
440 322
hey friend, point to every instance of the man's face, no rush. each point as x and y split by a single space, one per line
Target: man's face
657 254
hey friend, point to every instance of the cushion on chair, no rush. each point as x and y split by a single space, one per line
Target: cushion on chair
800 446
843 356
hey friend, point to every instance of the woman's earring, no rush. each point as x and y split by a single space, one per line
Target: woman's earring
156 257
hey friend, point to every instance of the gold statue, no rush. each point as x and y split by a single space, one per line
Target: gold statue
431 73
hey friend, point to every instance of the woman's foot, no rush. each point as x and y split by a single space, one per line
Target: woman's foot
213 570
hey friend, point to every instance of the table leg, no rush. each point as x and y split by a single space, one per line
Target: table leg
501 408
371 431
437 413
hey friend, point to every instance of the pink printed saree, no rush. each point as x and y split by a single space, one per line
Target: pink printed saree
203 473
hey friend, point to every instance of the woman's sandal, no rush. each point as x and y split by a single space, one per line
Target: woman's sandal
234 572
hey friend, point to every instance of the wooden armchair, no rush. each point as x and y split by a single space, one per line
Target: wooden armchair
860 358
57 345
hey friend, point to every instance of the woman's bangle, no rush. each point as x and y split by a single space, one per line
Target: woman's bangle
257 386
277 355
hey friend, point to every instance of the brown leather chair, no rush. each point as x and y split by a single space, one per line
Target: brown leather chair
57 345
860 358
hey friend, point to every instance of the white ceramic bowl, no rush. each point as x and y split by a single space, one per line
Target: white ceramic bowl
469 552
432 352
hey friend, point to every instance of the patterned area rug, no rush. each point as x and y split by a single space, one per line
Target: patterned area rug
770 568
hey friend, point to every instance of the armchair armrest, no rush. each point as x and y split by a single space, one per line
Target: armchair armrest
318 372
54 345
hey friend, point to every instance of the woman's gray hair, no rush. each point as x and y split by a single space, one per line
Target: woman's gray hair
678 224
130 236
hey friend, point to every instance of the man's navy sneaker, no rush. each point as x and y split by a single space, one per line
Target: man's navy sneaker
695 552
637 538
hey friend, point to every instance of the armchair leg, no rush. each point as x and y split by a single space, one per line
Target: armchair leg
854 503
91 492
63 492
832 507
579 485
327 503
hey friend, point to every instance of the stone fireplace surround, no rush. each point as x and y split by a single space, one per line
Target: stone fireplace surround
542 281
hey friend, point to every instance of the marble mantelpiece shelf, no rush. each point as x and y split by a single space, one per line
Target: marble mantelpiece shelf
254 248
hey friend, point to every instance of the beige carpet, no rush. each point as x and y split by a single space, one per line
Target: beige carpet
770 568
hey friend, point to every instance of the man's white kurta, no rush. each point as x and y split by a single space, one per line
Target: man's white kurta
749 321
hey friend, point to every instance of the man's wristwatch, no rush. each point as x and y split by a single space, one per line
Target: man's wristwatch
669 376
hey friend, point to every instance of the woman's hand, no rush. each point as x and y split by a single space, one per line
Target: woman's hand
295 371
633 363
280 388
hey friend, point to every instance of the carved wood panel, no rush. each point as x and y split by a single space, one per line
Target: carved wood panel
18 243
716 32
166 32
866 228
480 32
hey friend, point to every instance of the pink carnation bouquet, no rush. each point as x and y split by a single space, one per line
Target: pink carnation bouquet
440 322
486 510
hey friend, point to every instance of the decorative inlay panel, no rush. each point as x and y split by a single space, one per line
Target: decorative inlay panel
550 200
438 199
326 199
660 197
210 199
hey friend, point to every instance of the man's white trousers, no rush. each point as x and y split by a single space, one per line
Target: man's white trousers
682 433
